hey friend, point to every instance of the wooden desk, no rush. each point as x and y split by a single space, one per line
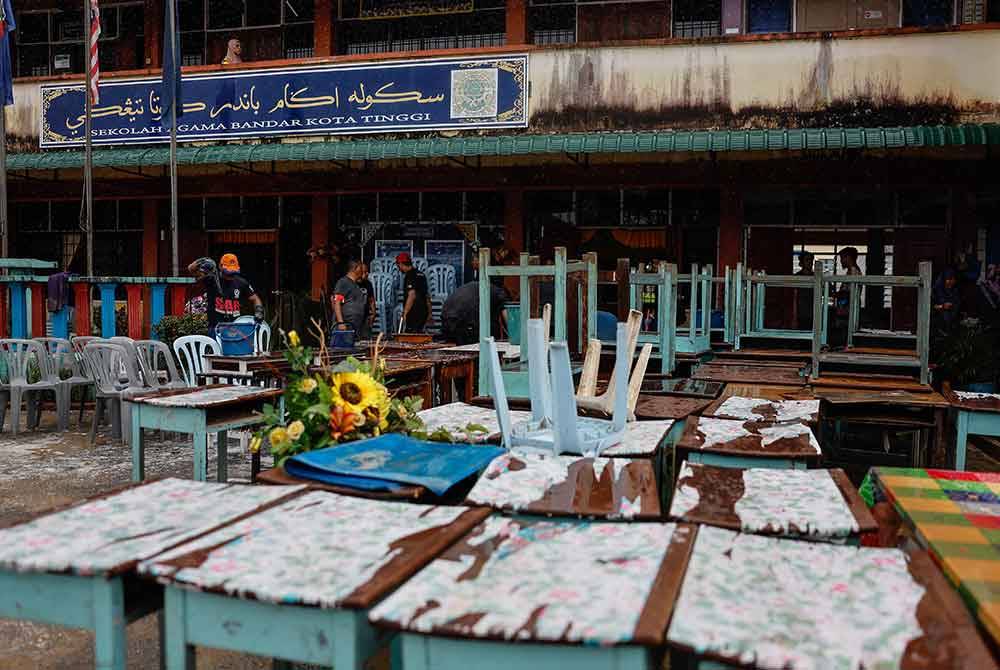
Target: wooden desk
977 414
74 567
956 517
521 593
197 412
739 444
761 409
751 374
655 385
785 603
755 355
407 378
888 408
605 488
295 582
449 367
816 505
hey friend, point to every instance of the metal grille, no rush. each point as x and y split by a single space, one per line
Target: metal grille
973 11
300 52
697 28
483 40
369 47
555 37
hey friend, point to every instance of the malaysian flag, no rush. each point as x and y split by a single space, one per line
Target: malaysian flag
95 59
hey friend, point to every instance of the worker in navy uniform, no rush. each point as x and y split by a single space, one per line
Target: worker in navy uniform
225 290
416 298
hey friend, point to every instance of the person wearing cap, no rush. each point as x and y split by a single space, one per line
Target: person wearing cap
225 289
417 301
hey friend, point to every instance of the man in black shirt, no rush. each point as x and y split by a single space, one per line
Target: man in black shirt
460 314
225 289
417 301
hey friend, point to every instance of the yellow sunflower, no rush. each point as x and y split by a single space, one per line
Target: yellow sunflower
356 391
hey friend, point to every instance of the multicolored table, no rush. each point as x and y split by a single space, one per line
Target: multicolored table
956 516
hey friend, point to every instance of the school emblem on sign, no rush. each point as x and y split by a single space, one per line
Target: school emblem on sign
474 93
369 460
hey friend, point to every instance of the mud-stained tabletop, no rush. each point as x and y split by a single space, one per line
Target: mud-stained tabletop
763 410
109 534
569 582
819 505
751 374
207 397
532 483
749 438
766 602
976 402
320 549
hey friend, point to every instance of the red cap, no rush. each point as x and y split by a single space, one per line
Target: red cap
404 257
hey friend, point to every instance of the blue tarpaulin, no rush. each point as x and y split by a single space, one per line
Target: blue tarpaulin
390 462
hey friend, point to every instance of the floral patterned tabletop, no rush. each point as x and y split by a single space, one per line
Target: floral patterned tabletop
569 582
773 603
320 549
534 483
109 534
809 504
762 410
749 438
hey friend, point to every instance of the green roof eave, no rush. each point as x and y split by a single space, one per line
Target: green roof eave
660 141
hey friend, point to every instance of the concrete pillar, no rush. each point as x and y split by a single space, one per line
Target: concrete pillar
320 238
517 22
324 29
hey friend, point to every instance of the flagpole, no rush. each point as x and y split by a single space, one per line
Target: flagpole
173 147
4 250
88 153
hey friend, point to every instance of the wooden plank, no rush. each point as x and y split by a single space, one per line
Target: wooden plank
850 396
974 402
766 354
749 374
870 381
853 499
278 477
736 438
209 397
651 407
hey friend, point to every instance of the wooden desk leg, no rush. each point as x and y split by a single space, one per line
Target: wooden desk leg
429 388
940 455
222 456
109 624
443 381
962 438
179 654
138 448
470 373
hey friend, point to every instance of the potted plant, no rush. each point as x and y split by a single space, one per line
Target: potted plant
968 356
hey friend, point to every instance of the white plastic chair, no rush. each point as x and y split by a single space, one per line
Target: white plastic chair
420 263
65 357
383 266
383 284
440 280
116 376
18 355
586 393
191 351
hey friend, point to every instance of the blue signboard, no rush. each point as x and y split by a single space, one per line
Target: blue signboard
395 96
392 248
447 252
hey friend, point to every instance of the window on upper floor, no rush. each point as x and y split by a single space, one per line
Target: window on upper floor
697 18
769 16
928 12
370 26
49 42
993 11
266 29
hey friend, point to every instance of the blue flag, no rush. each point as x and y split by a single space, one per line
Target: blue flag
7 26
170 91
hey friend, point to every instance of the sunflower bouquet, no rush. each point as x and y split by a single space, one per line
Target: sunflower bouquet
328 405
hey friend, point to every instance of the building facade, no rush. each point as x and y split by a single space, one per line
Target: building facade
709 132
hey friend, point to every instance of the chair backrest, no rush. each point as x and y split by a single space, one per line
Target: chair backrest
440 280
420 263
383 265
79 342
114 366
384 285
150 354
499 394
129 345
60 350
18 355
191 351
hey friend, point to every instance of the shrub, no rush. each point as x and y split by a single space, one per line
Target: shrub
172 327
121 319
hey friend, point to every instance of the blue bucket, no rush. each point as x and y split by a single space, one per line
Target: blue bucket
342 339
237 339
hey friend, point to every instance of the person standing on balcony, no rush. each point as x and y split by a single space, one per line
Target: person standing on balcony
234 52
417 301
225 290
842 298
